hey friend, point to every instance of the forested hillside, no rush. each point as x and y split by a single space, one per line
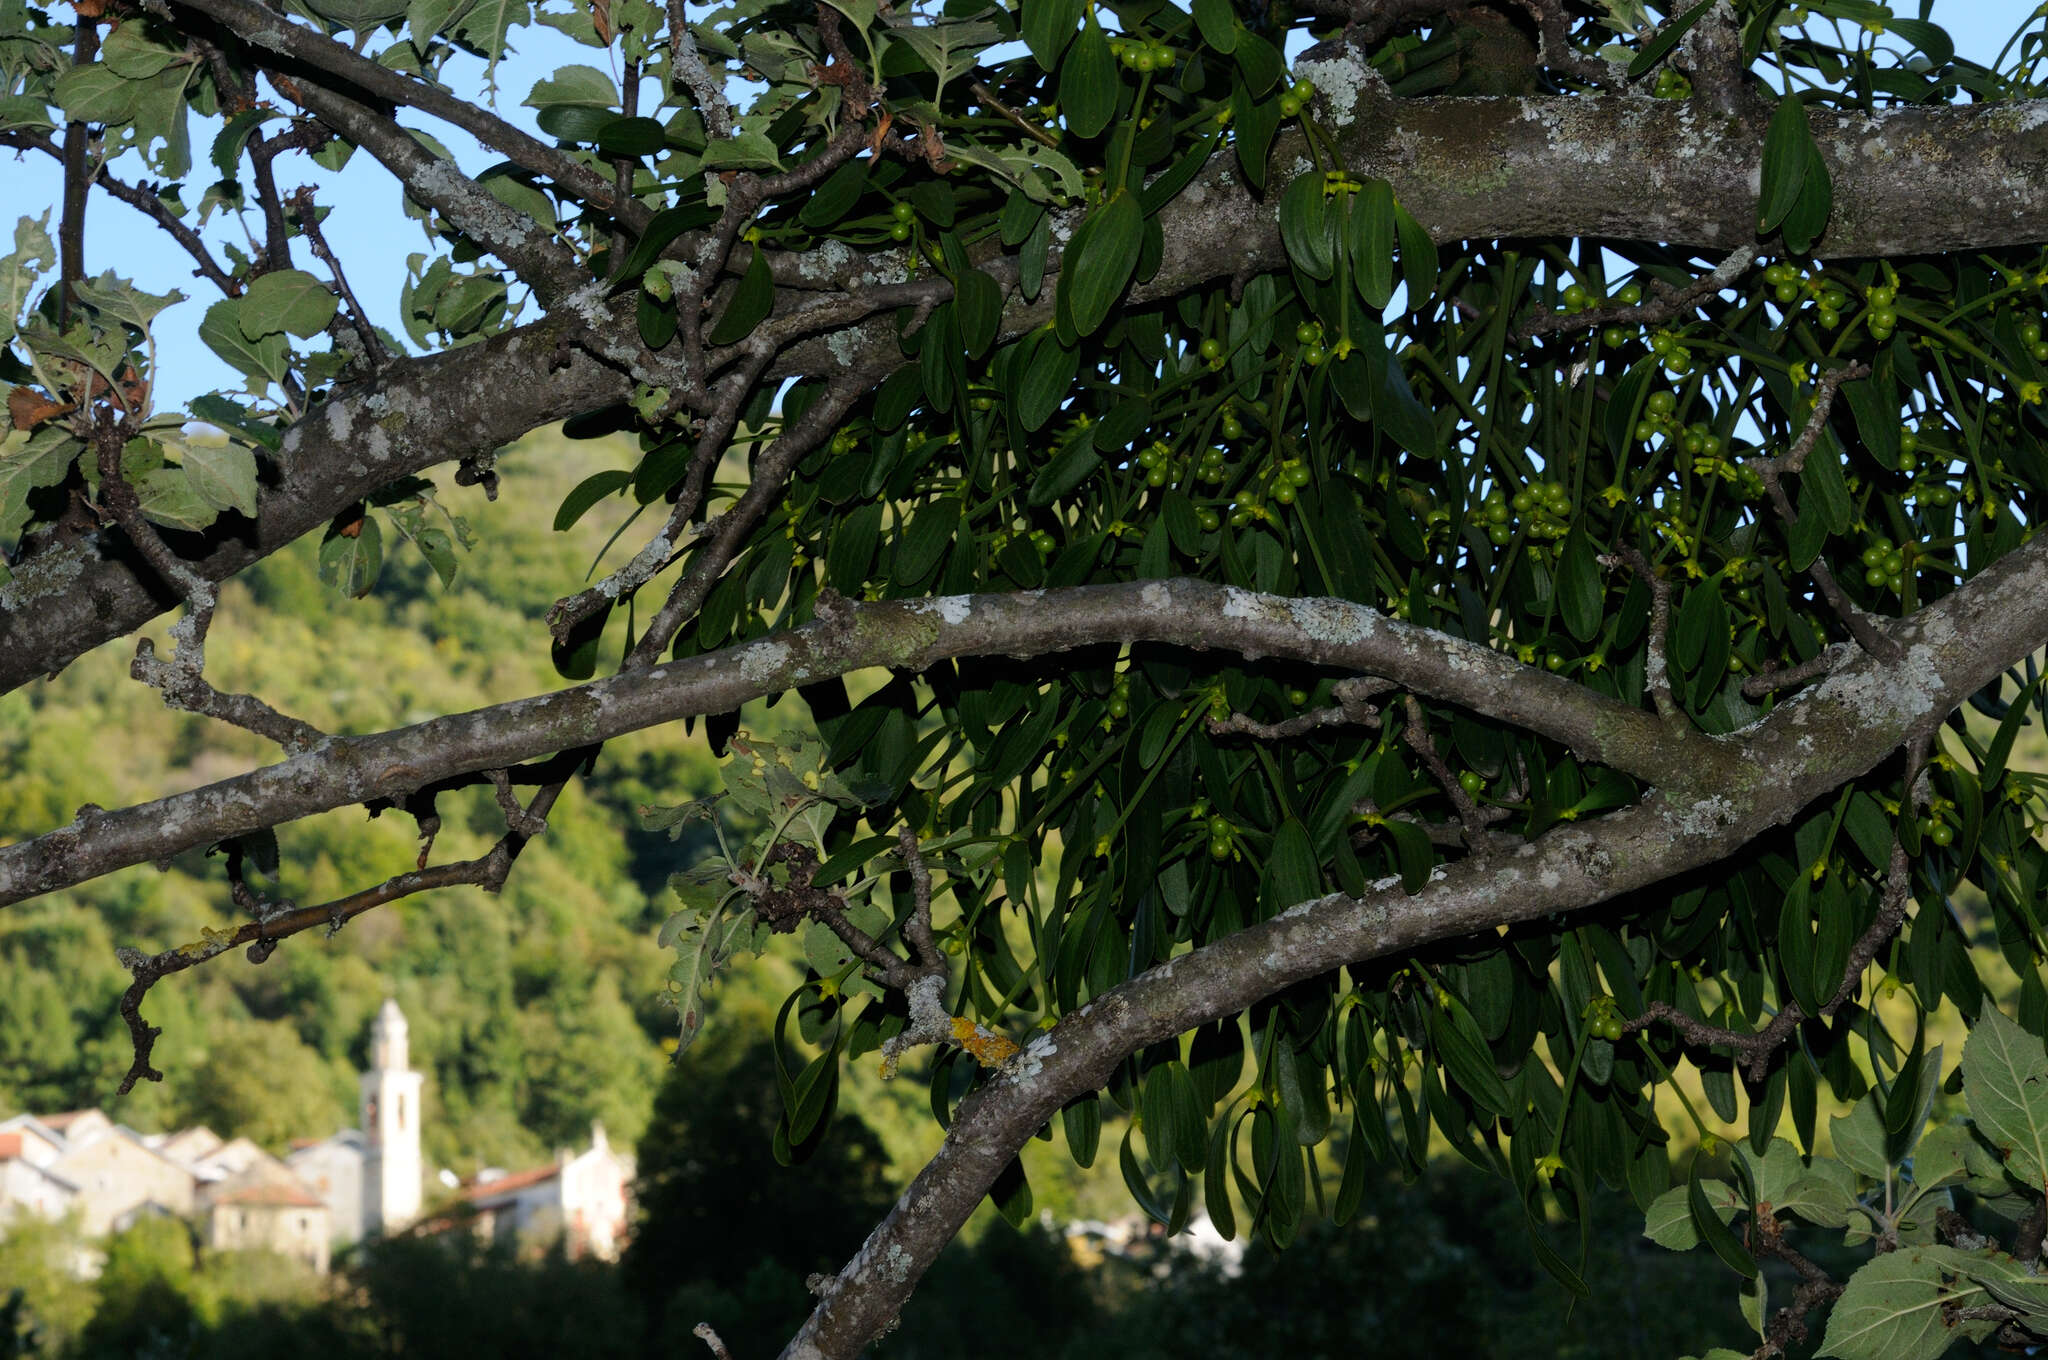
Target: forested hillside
532 1013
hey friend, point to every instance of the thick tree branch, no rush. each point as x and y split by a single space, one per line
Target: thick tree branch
528 247
414 415
1908 181
848 637
1833 731
1836 731
268 30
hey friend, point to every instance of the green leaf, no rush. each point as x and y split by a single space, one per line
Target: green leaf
662 228
1788 154
1089 83
1825 1194
1371 237
589 492
1581 589
1047 27
1011 1194
2005 1081
978 304
1081 1121
133 53
1669 1220
1419 265
1859 1138
1699 618
1049 371
751 302
168 498
1217 23
1707 1222
1292 875
631 137
96 94
920 547
1774 1172
2000 749
1305 227
28 461
703 941
350 563
223 475
1099 262
1899 1306
285 300
254 359
1467 1058
1413 854
426 20
1074 465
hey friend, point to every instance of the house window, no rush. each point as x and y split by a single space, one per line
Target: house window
305 1224
401 1110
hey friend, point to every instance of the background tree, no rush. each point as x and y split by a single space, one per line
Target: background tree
1407 521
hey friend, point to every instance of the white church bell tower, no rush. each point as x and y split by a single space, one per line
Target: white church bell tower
391 1122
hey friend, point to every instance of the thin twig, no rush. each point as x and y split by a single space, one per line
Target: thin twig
267 31
686 64
1656 664
1663 303
918 929
1771 679
142 198
1753 1048
1415 735
487 871
77 178
309 223
1772 471
722 537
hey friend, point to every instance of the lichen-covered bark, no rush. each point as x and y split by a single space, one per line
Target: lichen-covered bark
910 634
417 414
1907 181
1839 729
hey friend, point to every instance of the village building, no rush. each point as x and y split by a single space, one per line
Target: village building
579 1200
323 1194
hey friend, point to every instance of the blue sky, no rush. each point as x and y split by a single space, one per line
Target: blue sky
373 238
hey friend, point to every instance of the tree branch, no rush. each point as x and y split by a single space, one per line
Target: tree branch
524 244
1833 731
1922 180
268 31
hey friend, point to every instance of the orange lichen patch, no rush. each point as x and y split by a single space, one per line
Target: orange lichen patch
989 1048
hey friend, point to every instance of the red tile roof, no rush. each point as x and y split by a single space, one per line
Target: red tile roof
10 1145
517 1180
60 1121
271 1193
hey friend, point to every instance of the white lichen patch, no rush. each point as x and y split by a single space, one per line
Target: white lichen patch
1337 84
1900 692
45 575
1337 623
844 346
827 261
1031 1060
951 609
1704 818
1155 596
340 421
1240 604
899 1264
762 663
